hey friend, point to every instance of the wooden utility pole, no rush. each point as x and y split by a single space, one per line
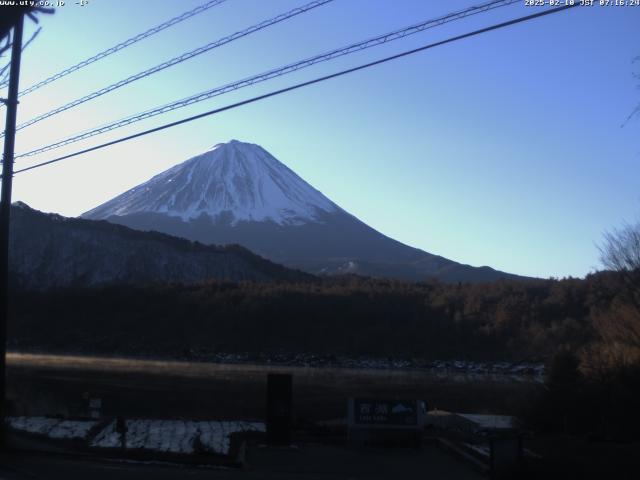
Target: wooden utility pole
5 210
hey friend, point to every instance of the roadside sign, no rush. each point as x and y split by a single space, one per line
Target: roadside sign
398 413
377 421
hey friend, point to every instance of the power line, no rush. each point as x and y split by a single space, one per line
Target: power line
116 48
362 45
304 84
177 60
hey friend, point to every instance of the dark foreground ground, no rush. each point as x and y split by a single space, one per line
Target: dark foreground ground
564 459
307 462
60 385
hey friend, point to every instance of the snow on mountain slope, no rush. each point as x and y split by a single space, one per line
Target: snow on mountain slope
236 177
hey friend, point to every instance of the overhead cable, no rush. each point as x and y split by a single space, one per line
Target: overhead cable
175 61
277 72
303 84
130 41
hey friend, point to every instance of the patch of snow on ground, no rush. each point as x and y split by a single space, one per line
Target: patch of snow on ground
176 436
53 427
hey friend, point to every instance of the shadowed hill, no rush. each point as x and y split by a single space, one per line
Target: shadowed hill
51 251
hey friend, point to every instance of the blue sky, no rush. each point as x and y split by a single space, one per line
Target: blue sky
506 149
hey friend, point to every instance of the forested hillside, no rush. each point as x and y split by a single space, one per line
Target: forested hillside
340 316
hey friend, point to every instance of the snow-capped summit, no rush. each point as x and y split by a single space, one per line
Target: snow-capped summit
236 178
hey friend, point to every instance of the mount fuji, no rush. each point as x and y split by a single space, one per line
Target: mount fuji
239 193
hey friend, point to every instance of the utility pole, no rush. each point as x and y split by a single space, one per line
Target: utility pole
5 212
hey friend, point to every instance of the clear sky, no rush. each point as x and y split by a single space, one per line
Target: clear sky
506 149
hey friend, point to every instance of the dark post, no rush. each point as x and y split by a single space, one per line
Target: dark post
121 429
279 408
5 210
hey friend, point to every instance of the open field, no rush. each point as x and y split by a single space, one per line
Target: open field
41 384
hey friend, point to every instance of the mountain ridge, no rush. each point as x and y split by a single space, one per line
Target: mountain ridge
52 251
225 201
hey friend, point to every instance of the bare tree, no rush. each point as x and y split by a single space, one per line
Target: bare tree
620 250
12 13
4 71
10 16
618 326
636 110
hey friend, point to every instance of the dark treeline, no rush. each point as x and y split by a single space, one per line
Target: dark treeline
505 320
